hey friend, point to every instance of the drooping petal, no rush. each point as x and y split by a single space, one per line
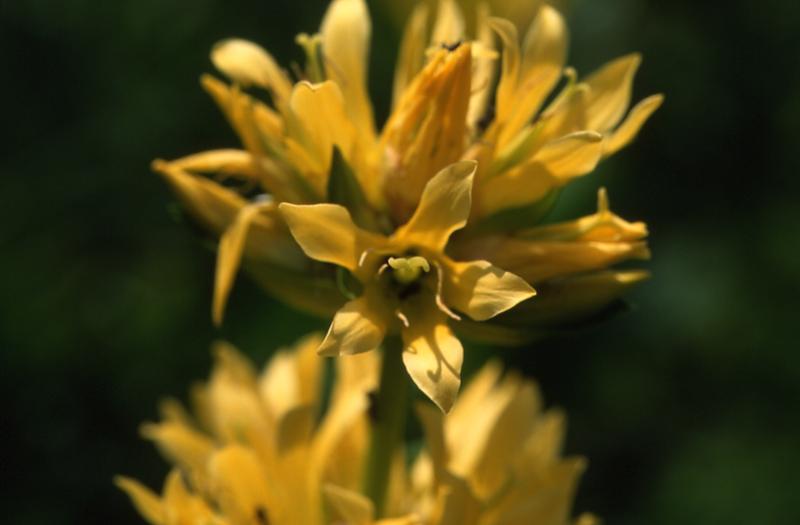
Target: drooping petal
229 255
443 208
326 232
357 327
630 127
147 503
345 34
482 290
352 507
610 92
432 355
249 64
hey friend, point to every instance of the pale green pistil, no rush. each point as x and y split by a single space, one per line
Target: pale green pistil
407 270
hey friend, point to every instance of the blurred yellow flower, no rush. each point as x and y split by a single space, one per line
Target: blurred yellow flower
465 88
257 452
409 284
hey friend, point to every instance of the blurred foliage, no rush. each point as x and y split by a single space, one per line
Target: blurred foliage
686 406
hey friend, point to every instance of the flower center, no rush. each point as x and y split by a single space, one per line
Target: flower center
407 270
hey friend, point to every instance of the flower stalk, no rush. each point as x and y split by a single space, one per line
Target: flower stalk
388 410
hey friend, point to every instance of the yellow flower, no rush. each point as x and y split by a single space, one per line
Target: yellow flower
409 284
256 451
457 95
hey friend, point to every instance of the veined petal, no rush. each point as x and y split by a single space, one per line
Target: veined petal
443 208
326 232
229 255
249 64
352 507
357 327
610 92
483 71
482 290
345 34
630 127
433 356
147 503
544 53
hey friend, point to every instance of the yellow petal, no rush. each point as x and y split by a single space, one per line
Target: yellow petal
509 77
544 53
482 290
357 327
351 507
181 444
433 425
229 255
551 167
326 233
630 127
433 356
412 52
573 155
213 205
318 123
345 34
483 73
610 92
249 64
147 503
240 486
443 208
221 161
449 26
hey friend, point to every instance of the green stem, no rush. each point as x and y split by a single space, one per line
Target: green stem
388 417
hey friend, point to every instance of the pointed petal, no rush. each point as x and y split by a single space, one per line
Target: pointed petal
412 52
147 503
357 327
482 290
543 56
350 506
509 76
443 208
249 64
610 92
326 233
345 34
229 255
628 130
433 356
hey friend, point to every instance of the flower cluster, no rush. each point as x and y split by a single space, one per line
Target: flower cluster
261 449
432 225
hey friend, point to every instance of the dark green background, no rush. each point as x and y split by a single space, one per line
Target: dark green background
686 406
